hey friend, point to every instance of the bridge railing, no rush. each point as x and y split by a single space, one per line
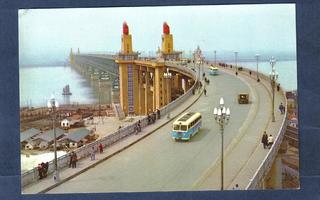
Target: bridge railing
32 176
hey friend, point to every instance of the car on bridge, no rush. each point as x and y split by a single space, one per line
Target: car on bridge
186 126
243 98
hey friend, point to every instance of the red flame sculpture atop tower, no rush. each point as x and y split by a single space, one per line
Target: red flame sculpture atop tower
125 28
166 28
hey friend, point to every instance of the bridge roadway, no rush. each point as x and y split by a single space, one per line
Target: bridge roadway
158 163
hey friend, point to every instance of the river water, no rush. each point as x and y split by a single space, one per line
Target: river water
37 84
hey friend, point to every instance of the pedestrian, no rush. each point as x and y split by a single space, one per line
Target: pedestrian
270 141
44 169
236 187
236 73
70 160
101 148
278 87
149 119
250 72
154 115
264 139
139 125
40 171
282 108
158 113
93 154
205 91
74 160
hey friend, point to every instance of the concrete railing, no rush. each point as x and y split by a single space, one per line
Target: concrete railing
165 110
264 168
32 176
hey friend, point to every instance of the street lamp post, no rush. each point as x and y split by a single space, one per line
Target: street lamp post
100 98
222 116
215 58
53 105
236 58
273 75
167 75
257 57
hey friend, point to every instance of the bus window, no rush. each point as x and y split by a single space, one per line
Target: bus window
176 127
184 127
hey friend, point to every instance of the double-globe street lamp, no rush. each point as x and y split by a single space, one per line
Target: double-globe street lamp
273 75
53 106
168 75
236 59
221 116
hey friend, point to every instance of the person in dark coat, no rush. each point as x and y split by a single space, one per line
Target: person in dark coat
205 92
74 160
70 160
158 113
278 87
40 169
282 108
264 140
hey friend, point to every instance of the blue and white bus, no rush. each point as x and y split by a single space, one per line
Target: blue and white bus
186 126
213 70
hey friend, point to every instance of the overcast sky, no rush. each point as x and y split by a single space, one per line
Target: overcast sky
48 34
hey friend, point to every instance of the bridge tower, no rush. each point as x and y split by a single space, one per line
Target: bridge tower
167 51
128 76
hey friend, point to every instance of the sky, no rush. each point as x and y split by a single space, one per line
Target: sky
47 35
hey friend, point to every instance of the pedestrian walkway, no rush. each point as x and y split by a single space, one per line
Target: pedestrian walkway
44 185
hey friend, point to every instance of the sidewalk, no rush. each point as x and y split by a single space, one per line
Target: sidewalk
44 185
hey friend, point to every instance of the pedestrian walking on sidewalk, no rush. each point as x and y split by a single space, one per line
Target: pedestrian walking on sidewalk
40 169
74 160
93 154
205 91
264 140
158 113
70 159
282 108
101 148
278 87
270 141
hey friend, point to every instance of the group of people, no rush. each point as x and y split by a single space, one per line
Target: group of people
153 116
43 170
266 140
73 160
93 151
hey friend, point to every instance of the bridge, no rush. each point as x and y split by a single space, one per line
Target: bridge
152 161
